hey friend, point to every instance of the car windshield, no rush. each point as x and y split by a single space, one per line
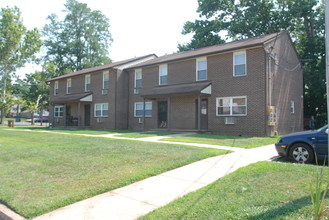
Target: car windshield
324 127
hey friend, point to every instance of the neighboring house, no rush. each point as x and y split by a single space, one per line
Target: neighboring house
251 87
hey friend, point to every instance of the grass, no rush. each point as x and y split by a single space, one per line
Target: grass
231 141
145 134
265 190
41 172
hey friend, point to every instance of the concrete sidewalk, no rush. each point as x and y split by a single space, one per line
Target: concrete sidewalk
139 198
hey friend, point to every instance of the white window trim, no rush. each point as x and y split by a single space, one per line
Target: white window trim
55 88
292 107
197 68
141 103
231 106
137 71
86 77
68 85
106 73
160 67
58 106
101 104
245 61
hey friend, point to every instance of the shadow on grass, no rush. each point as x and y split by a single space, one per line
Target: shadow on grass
284 210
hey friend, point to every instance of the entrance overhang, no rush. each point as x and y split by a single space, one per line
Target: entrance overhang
196 88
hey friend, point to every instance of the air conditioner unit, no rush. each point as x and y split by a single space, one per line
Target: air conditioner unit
104 91
229 121
136 91
140 120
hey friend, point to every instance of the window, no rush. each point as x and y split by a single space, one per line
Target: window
239 66
139 106
292 107
106 80
87 83
56 88
235 106
69 86
163 74
58 111
102 110
201 69
138 81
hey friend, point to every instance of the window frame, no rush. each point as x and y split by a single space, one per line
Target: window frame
163 73
56 88
87 78
197 68
69 86
292 107
245 62
138 72
102 115
149 109
231 98
56 107
106 73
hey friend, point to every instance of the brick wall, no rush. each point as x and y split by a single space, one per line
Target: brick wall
287 85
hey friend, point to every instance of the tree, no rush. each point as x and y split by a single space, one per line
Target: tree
79 41
304 19
17 45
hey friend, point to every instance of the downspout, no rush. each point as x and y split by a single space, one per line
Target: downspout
115 98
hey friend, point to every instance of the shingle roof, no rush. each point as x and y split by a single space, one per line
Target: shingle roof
70 98
99 68
234 45
184 88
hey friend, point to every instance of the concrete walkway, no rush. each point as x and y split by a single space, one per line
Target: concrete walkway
140 198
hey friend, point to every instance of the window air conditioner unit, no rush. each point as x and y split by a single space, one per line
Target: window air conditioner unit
104 91
136 91
140 120
229 121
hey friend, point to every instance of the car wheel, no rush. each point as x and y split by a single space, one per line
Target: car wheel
301 153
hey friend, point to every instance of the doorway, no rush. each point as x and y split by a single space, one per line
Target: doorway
204 114
87 114
163 114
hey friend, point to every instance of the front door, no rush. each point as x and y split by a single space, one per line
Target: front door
87 114
204 114
162 114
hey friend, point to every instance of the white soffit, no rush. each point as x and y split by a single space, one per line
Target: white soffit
206 90
88 98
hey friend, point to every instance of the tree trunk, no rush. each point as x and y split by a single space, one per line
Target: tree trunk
32 118
2 118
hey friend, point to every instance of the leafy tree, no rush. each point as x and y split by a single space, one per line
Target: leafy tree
17 45
79 41
304 19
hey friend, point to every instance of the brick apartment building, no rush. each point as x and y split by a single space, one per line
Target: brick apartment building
251 87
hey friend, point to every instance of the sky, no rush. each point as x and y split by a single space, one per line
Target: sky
138 27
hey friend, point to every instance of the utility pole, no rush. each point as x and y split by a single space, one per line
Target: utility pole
327 59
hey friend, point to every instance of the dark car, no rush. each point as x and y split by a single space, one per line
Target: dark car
44 119
302 147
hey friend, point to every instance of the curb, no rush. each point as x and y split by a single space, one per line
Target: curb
8 214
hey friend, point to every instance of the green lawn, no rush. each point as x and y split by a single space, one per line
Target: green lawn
41 172
265 190
231 141
145 134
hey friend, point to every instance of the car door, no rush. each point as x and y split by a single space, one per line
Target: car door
321 144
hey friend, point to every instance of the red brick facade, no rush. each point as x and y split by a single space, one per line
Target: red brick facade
273 78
